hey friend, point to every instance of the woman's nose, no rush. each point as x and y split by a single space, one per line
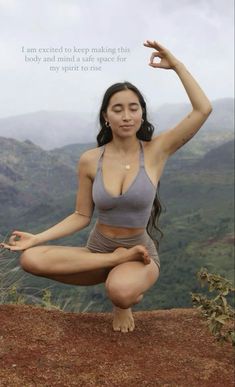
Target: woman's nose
126 115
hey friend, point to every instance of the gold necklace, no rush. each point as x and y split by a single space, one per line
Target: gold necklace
127 166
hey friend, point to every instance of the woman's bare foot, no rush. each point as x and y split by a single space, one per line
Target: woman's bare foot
135 253
123 320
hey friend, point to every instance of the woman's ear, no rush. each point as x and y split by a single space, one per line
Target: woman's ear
105 116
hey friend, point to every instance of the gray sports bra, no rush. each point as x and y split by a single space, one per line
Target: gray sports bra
130 209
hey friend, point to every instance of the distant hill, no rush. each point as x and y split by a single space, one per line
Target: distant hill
49 129
55 129
32 180
222 116
36 182
220 158
38 188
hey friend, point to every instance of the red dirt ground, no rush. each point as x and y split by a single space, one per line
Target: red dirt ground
168 348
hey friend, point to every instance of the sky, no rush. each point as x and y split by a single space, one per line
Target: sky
100 42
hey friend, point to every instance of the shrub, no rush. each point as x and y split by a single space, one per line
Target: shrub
219 314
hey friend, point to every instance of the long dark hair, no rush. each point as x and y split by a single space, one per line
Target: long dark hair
144 133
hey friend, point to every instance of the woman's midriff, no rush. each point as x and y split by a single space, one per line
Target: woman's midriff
118 232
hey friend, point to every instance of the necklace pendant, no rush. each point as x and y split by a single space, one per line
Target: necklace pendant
127 166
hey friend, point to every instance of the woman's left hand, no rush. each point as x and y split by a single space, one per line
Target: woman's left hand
168 61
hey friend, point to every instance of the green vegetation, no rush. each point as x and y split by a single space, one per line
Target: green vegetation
219 314
198 226
16 288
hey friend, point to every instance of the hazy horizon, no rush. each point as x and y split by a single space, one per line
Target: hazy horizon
41 39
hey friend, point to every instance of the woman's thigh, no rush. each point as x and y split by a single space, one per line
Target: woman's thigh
84 278
33 260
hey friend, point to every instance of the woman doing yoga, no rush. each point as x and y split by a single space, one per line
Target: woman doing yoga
119 178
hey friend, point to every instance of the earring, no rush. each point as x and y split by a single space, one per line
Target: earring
107 124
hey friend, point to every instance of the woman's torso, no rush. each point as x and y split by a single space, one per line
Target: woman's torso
154 164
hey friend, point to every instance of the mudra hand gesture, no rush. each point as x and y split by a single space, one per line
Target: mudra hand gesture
25 241
168 61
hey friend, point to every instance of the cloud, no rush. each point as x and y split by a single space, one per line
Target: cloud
198 33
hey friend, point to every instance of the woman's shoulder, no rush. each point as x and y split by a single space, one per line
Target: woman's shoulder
89 159
90 155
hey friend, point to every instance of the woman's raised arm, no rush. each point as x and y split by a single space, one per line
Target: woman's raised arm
173 138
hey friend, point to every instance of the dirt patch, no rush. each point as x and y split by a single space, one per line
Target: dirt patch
168 348
228 239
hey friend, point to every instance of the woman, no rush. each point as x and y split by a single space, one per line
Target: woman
119 250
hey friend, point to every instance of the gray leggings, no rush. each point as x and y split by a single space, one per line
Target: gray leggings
100 243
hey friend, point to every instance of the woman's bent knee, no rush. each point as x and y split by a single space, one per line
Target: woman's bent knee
30 261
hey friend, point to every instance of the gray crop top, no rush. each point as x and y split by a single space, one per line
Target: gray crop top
130 209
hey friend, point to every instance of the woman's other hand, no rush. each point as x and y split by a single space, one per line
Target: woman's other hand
167 60
24 241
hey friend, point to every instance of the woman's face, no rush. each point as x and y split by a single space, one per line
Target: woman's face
124 113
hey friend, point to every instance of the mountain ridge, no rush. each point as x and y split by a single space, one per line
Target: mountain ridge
51 129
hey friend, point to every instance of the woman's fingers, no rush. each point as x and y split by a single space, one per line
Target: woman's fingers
148 45
17 233
12 240
154 44
152 63
15 241
158 45
155 54
16 248
5 246
9 247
